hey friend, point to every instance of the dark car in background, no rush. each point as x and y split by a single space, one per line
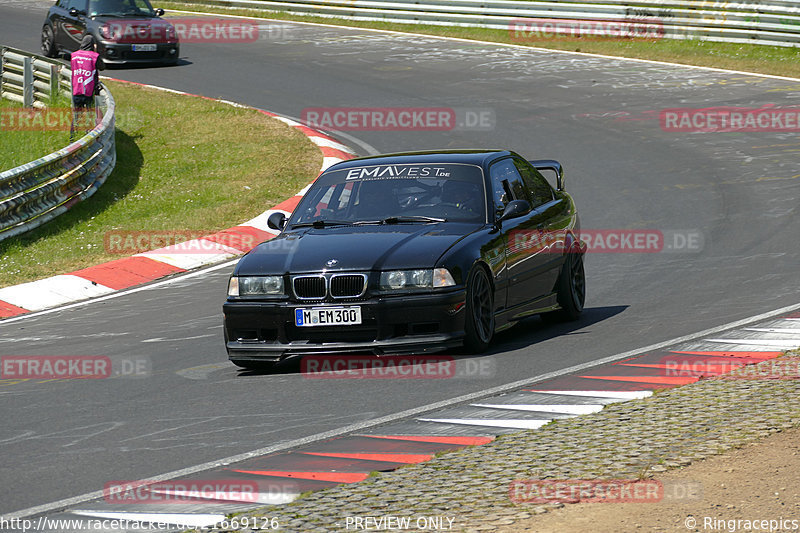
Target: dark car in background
409 253
121 31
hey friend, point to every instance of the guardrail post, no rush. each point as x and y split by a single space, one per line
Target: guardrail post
55 86
2 68
27 84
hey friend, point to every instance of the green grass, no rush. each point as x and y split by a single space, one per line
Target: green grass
176 171
23 136
776 60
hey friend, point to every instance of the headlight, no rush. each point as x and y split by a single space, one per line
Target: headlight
110 31
254 285
416 279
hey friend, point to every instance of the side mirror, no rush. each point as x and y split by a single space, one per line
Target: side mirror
514 209
73 12
159 12
555 166
276 221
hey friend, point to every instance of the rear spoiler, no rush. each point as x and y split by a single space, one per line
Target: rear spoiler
551 164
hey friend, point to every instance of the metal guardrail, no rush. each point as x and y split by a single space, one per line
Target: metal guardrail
31 80
37 192
770 22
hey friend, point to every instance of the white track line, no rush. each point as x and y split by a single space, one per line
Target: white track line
567 409
493 423
622 396
790 331
774 343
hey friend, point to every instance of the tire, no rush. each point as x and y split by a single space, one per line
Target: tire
48 41
253 365
479 322
571 289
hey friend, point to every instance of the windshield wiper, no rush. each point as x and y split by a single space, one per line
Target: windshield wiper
412 218
321 224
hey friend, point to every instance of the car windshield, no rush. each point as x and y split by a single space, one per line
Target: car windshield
395 194
120 8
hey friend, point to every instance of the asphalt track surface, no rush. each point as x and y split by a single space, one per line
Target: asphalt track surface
738 190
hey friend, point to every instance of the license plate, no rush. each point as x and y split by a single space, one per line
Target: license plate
327 316
144 48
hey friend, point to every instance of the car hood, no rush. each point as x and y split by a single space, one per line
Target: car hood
361 248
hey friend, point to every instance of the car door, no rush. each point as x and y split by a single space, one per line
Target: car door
553 217
70 29
526 262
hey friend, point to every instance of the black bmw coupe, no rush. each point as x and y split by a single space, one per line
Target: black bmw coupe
409 253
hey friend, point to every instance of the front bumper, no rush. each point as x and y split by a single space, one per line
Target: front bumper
122 53
408 324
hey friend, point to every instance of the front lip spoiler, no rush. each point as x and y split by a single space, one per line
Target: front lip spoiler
273 352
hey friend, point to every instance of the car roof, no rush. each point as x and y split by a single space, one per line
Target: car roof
475 157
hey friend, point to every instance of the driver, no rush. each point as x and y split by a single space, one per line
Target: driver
462 194
375 200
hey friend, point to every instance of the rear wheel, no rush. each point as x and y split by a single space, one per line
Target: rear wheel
48 42
479 326
571 287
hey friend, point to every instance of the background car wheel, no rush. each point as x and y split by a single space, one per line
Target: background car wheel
479 326
571 287
48 42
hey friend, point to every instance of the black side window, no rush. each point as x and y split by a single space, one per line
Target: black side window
507 184
80 5
541 192
62 4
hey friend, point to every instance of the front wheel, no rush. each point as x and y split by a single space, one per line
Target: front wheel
571 289
48 42
479 326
